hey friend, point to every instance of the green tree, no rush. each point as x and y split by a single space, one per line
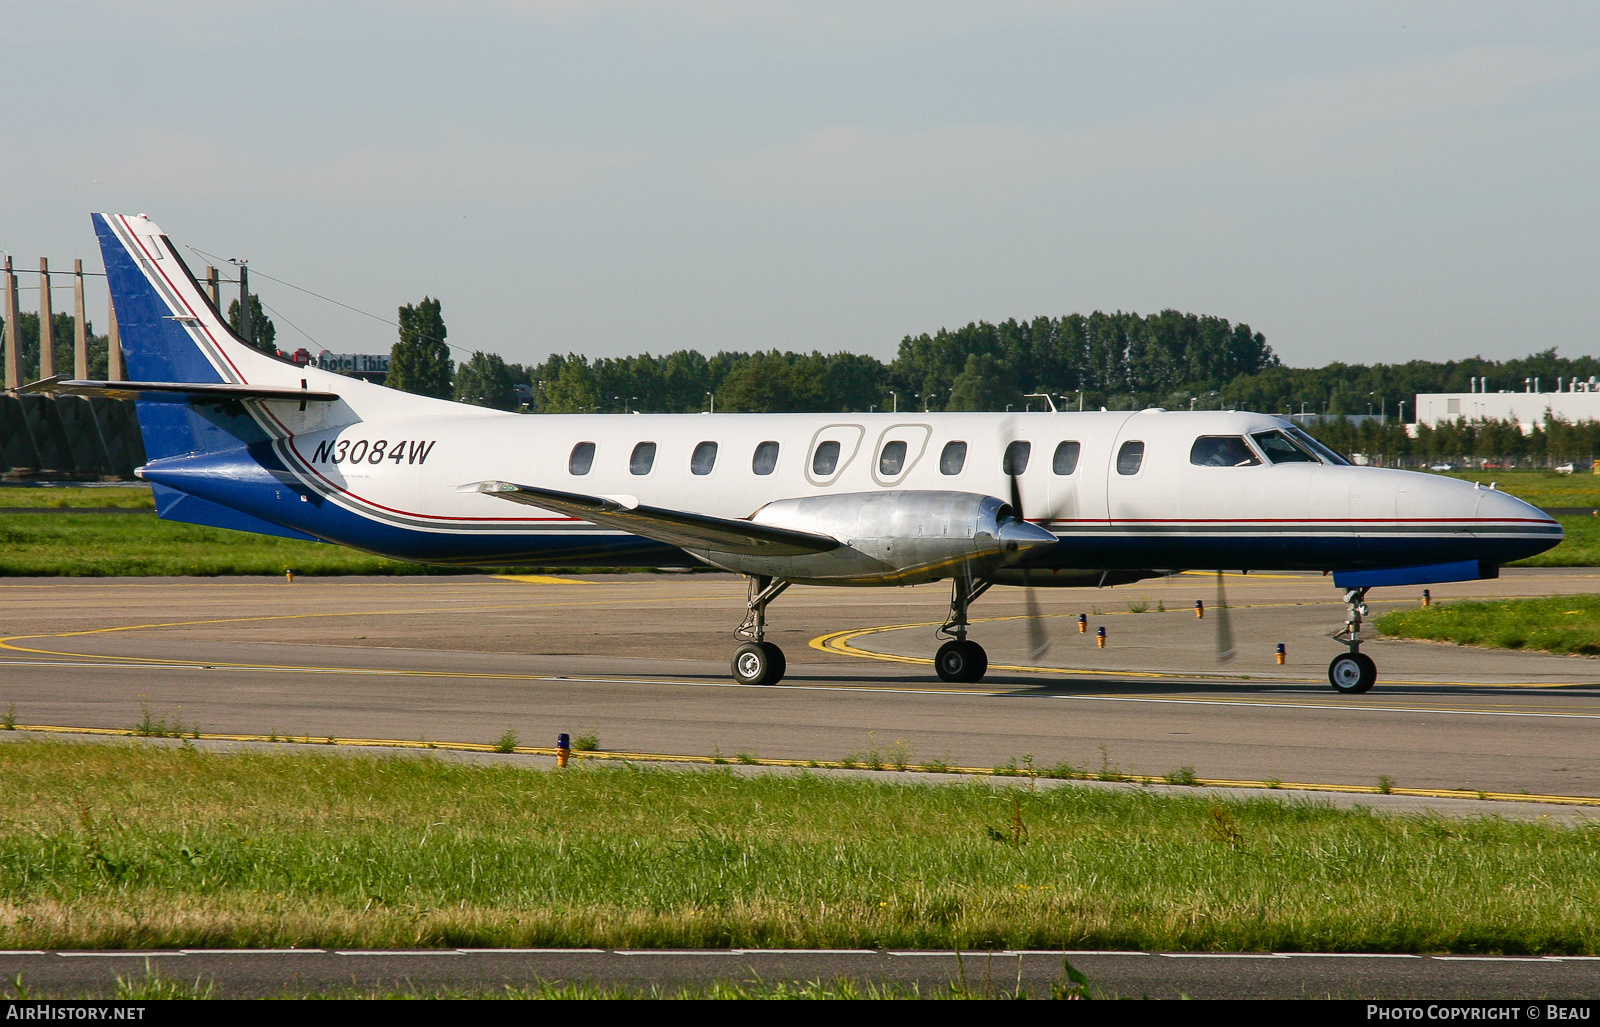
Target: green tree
420 360
572 390
986 383
263 333
486 381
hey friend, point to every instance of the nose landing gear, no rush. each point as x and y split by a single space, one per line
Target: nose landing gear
1353 672
757 661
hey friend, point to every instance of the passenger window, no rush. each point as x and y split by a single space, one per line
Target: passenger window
703 459
1016 458
1066 458
953 458
766 459
892 459
1130 457
582 459
643 458
1221 451
825 459
1281 450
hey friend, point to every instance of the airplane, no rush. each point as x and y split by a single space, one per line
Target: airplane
239 438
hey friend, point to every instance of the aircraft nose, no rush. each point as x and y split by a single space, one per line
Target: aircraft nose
1020 536
1494 505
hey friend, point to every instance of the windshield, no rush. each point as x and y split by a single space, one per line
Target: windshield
1280 449
1318 448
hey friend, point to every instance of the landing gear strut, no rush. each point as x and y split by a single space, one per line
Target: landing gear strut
1353 672
757 661
961 660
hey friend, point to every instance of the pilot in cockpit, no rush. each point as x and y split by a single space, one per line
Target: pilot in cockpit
1221 451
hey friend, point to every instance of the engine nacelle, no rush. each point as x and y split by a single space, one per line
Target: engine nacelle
892 537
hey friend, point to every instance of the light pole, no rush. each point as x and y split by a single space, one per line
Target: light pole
713 400
896 396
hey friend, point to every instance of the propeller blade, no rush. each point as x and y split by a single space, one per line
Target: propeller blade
1225 649
1038 638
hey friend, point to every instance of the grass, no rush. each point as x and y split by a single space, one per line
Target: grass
1569 625
135 497
1581 547
143 846
1541 488
152 984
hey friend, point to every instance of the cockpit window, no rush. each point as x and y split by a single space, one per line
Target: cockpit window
1281 449
1316 447
1221 451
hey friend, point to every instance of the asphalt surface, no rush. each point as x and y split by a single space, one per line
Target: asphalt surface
641 663
239 974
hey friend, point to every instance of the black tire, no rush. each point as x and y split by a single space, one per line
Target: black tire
758 663
961 662
1352 673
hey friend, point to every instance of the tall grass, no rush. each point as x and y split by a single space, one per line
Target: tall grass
113 846
1556 624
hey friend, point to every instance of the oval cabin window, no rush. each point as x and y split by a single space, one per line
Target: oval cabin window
1016 459
1066 459
766 459
892 459
703 459
825 459
953 458
582 459
643 458
1130 458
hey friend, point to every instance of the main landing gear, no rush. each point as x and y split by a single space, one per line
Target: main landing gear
960 659
757 661
1353 672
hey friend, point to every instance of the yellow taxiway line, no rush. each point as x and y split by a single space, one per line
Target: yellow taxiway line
656 757
841 643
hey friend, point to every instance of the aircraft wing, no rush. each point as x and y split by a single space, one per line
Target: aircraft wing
195 391
674 527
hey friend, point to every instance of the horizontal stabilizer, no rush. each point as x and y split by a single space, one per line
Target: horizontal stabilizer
674 527
190 391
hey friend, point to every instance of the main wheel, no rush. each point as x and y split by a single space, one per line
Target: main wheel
961 661
758 663
1352 673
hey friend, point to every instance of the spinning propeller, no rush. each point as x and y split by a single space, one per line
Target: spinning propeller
1225 649
1038 640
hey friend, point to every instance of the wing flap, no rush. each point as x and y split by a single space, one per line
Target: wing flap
195 391
673 527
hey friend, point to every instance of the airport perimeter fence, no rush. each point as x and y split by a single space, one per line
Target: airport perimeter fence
61 438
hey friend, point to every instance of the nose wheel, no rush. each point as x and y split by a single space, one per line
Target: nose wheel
1353 672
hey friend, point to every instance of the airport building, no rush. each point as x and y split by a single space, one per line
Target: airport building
1574 401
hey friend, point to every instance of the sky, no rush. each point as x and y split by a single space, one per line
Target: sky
1359 181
